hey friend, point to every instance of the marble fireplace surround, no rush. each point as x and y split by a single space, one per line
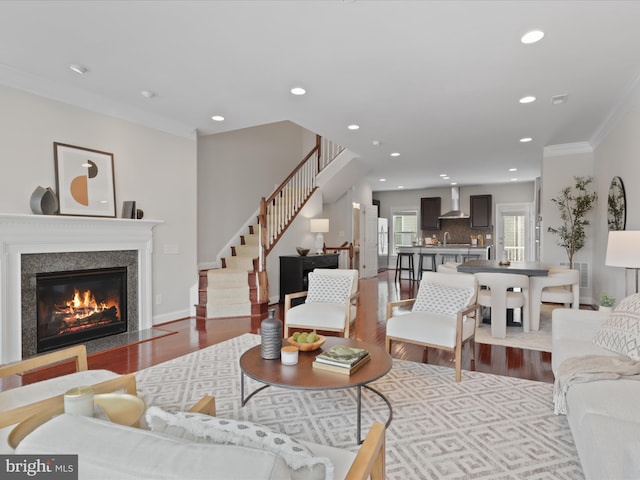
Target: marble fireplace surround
37 234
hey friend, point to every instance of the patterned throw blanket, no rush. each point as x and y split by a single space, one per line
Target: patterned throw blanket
590 368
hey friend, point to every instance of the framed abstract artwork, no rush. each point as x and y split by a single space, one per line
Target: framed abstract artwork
84 181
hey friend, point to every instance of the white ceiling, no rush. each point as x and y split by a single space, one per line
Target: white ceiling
438 82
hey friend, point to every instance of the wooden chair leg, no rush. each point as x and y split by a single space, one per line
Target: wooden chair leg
387 344
458 356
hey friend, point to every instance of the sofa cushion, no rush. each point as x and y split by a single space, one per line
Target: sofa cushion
620 332
604 448
198 427
108 451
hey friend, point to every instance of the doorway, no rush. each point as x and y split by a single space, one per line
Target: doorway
514 232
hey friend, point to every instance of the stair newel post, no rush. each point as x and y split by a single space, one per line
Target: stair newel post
263 282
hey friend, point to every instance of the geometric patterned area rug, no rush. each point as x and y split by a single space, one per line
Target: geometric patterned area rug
539 340
485 427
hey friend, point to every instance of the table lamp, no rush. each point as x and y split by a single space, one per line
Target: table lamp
623 250
319 226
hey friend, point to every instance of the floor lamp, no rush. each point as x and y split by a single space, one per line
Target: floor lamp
623 250
319 226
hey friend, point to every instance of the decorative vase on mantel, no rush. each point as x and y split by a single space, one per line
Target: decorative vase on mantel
271 334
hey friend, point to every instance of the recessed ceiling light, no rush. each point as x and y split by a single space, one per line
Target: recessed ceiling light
513 169
514 179
395 154
532 37
400 186
454 183
383 180
446 177
298 91
443 175
217 118
147 94
78 68
376 143
528 99
526 139
353 127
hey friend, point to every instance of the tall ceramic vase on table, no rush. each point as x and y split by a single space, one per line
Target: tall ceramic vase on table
271 335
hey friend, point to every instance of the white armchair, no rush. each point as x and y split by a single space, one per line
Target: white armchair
440 316
330 304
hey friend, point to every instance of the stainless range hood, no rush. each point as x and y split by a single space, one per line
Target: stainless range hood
455 211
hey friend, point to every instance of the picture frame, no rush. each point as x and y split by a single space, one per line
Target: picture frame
84 181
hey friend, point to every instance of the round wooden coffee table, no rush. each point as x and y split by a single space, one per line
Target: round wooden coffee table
303 376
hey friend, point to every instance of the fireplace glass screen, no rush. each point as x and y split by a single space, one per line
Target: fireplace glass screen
74 307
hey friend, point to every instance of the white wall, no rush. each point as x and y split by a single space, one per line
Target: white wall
156 169
235 170
617 155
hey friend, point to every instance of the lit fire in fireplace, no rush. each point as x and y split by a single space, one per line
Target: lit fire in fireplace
82 312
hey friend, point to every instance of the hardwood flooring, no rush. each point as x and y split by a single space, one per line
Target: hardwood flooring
188 335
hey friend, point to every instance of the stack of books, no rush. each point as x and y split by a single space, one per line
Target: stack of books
342 359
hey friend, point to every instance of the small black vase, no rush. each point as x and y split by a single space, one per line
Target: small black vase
271 333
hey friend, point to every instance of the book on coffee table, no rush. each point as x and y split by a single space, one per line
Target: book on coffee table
342 356
341 369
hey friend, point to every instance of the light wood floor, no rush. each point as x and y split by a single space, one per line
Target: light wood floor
189 335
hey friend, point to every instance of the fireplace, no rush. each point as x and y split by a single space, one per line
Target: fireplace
80 305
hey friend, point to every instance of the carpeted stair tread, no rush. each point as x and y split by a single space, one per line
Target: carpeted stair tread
235 310
239 263
250 251
227 296
226 278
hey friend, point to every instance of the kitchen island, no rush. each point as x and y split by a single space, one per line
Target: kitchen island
446 251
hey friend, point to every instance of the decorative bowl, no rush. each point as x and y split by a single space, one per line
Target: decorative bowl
302 251
308 347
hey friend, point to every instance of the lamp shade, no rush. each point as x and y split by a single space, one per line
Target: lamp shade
319 225
623 249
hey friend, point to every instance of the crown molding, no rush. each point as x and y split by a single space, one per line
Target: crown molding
566 149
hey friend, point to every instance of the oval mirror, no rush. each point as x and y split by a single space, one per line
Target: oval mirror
616 205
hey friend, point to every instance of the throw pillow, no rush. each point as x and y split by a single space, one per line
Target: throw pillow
199 427
328 288
620 332
441 299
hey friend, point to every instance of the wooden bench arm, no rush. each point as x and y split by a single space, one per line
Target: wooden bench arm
20 414
77 352
370 460
206 405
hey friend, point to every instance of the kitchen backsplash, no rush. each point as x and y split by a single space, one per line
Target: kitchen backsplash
459 231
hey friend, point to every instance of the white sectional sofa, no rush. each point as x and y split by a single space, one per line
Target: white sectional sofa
604 415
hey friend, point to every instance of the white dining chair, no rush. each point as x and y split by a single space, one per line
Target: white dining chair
499 296
560 286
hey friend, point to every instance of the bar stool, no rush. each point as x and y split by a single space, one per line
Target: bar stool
449 257
422 264
400 267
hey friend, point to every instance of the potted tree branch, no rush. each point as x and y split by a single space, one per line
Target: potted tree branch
574 202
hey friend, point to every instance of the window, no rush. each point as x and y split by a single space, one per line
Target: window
405 228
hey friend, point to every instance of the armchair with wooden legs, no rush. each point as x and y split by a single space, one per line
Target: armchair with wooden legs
442 315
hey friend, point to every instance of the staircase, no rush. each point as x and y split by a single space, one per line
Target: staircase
240 287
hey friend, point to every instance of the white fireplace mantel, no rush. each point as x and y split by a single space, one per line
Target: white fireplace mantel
25 234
